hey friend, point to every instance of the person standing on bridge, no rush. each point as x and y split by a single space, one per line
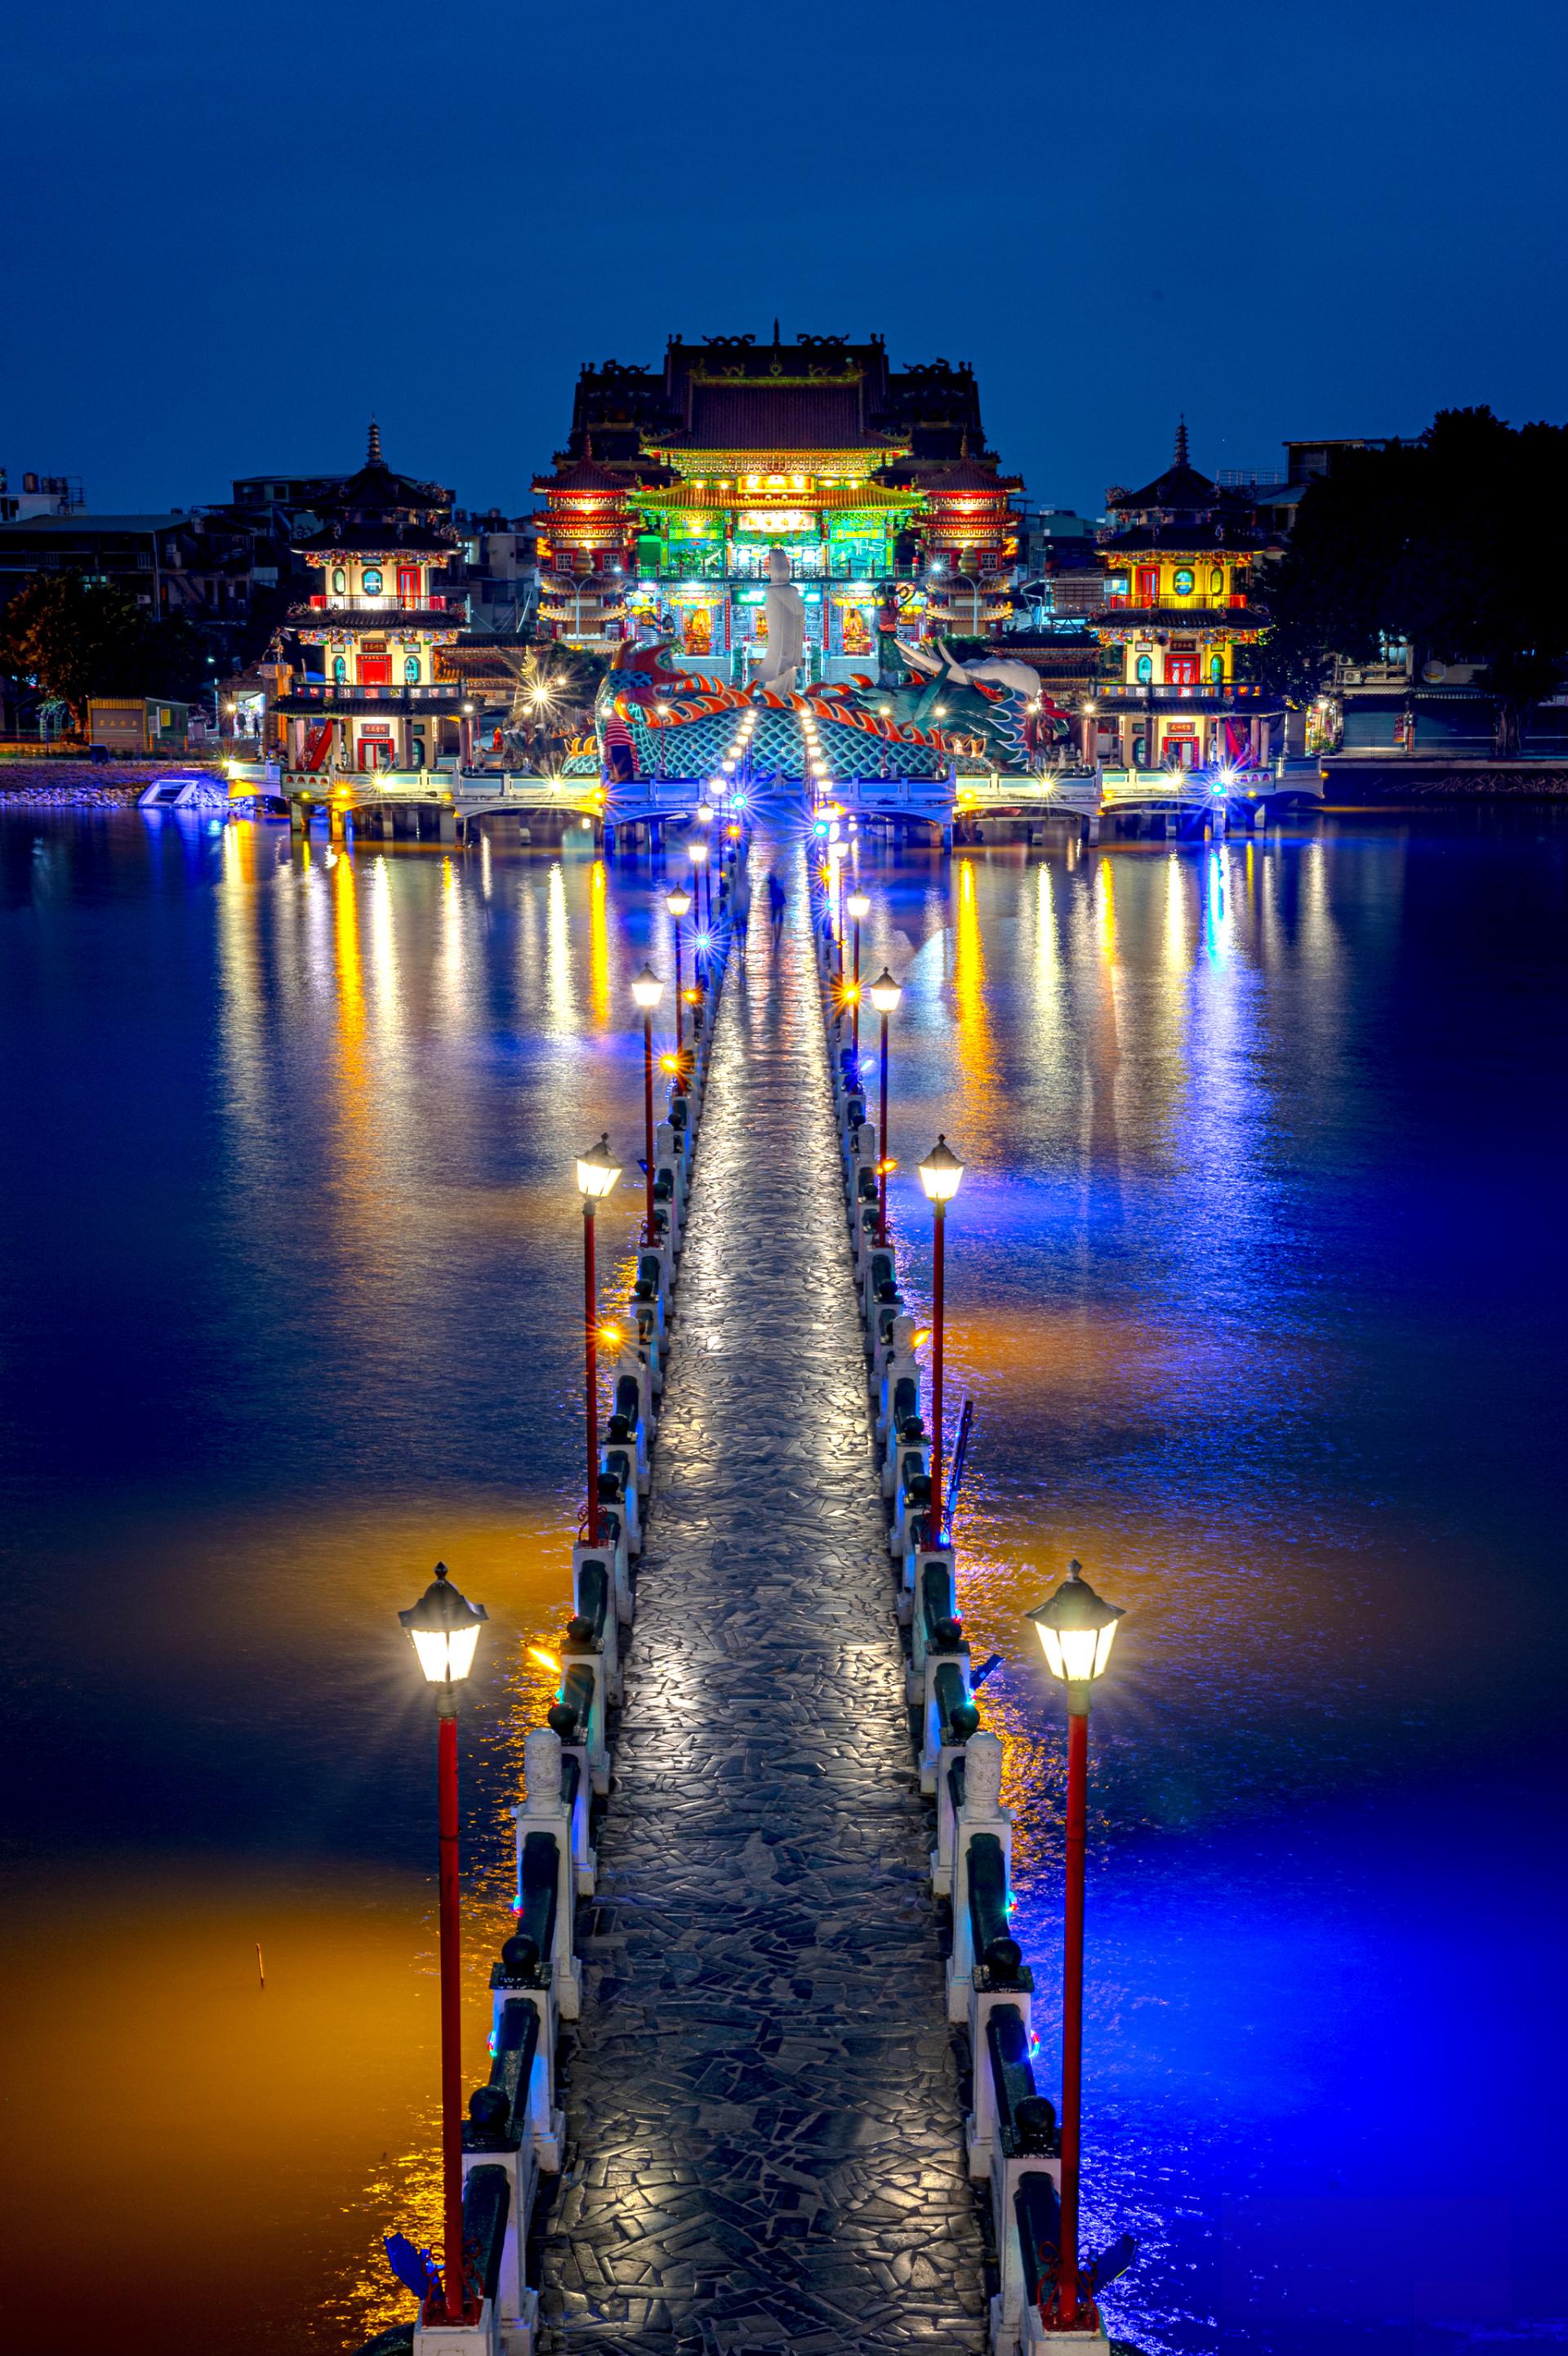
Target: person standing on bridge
740 903
776 904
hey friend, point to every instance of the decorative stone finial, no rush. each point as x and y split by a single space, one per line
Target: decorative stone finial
542 1769
373 450
1181 456
983 1773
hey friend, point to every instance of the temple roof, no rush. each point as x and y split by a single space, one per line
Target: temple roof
1180 489
964 475
777 417
583 475
378 512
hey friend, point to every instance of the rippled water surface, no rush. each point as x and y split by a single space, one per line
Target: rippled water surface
1256 1278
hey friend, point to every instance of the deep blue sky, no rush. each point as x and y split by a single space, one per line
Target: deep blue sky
229 234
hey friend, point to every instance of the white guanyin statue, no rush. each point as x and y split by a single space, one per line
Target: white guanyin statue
786 627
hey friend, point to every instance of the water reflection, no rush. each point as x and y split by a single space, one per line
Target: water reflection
1220 1284
1257 1281
301 1317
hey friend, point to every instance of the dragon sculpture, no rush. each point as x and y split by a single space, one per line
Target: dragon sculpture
653 717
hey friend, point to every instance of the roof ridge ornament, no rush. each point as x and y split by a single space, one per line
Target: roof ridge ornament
373 449
1181 455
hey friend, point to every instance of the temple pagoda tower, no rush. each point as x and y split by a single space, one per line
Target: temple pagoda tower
1178 567
379 620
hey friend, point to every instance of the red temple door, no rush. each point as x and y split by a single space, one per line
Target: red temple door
408 585
375 670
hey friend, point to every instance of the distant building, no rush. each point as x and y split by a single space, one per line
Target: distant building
40 495
136 727
1177 566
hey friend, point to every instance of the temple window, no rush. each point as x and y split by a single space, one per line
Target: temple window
339 581
340 670
1182 581
372 579
1217 669
1146 670
1217 582
411 668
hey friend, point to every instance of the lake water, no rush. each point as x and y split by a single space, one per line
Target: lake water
1256 1278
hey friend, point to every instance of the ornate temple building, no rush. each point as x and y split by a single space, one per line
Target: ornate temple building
1176 602
379 619
675 483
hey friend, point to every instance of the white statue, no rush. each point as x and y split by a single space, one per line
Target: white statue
938 661
786 627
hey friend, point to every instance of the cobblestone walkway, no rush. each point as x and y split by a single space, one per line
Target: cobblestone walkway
765 2143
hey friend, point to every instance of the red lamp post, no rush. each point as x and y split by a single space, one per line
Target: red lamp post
1076 1632
445 1629
678 900
648 990
597 1175
939 1173
858 904
884 996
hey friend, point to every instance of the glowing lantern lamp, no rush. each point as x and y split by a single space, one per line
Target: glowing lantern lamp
1076 1631
647 989
885 994
445 1629
939 1173
597 1175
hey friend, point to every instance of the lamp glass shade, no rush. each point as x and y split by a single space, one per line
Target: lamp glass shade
678 900
884 993
859 905
596 1174
704 814
647 989
940 1172
1076 1630
699 853
443 1627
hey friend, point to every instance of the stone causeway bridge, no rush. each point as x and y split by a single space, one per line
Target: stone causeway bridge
762 2070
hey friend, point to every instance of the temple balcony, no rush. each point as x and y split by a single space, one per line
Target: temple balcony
1123 692
377 614
348 696
1236 614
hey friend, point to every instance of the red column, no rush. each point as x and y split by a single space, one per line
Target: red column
453 2285
1066 2298
882 1155
648 1112
857 996
679 1010
591 1387
939 1274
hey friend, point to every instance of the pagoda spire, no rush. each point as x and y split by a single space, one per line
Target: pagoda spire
1181 457
373 450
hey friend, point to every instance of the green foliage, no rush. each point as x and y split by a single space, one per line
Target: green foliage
1442 541
74 638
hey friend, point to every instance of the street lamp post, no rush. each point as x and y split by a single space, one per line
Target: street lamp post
1076 1632
445 1629
939 1173
884 996
699 867
678 900
647 989
597 1175
859 905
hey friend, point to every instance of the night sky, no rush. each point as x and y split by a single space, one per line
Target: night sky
231 234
